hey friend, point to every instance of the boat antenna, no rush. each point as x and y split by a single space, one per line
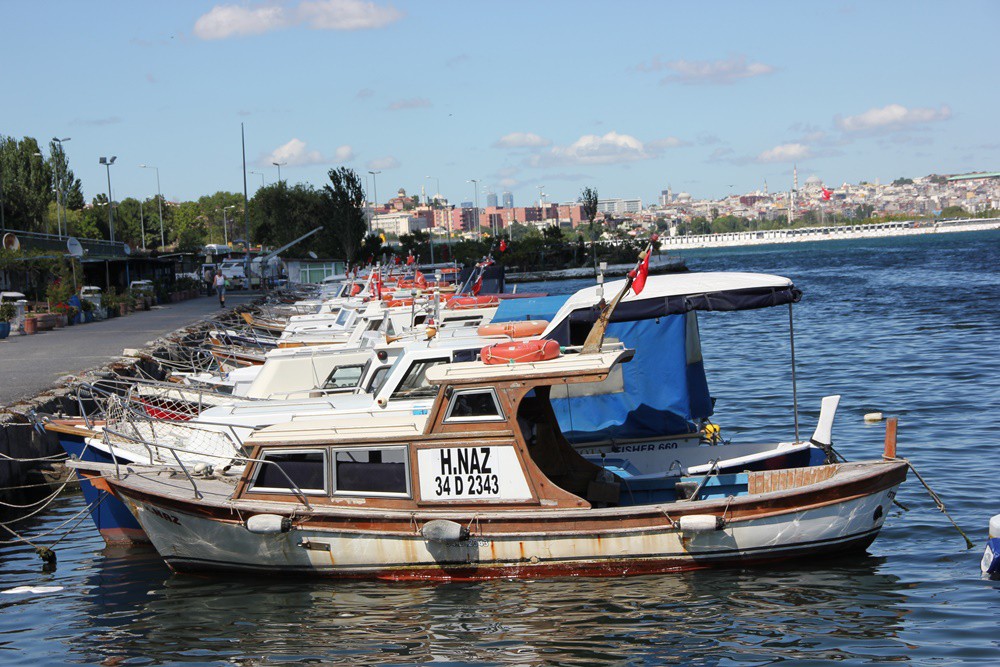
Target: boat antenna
595 339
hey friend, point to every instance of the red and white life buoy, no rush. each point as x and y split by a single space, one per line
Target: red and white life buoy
463 302
520 352
522 329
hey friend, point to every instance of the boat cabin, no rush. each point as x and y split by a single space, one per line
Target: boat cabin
491 438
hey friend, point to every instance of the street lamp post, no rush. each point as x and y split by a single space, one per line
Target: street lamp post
107 162
261 174
159 202
436 195
375 194
142 225
60 195
225 223
475 190
279 165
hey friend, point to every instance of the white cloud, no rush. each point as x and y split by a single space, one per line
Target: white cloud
412 103
344 154
785 153
387 162
295 154
611 148
508 182
224 21
891 118
521 140
694 72
663 144
346 15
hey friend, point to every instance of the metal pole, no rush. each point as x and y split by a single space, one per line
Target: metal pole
795 393
3 220
142 225
371 224
159 205
111 216
246 209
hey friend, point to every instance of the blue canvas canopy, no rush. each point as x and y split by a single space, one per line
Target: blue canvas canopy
530 308
664 389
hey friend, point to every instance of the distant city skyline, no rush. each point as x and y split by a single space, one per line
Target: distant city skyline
521 97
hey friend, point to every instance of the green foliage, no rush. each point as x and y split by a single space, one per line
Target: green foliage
61 288
7 312
954 212
27 180
345 212
903 181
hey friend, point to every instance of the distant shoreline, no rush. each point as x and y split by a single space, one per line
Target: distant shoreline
807 234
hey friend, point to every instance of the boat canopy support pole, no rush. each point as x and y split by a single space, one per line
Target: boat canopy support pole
795 390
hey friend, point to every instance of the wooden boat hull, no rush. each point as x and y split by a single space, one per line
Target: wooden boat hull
113 520
815 519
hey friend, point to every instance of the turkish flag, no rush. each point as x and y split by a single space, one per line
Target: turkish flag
826 194
503 245
640 277
410 259
478 285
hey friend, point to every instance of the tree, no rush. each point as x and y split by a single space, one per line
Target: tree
26 184
588 200
954 212
345 210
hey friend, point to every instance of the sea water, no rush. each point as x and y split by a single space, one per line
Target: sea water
909 327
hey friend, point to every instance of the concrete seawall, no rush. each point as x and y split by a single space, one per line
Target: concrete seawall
808 234
29 455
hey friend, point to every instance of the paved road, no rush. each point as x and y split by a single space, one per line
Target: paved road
31 364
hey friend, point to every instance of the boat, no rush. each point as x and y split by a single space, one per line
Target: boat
488 487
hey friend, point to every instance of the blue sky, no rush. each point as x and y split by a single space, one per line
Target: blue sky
623 96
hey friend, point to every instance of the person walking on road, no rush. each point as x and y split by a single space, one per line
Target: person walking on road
220 287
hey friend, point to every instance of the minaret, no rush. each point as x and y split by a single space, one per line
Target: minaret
765 187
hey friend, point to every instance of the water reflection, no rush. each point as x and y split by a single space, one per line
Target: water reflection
792 613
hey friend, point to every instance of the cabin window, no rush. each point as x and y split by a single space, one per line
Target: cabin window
344 377
305 468
415 384
474 405
378 377
371 471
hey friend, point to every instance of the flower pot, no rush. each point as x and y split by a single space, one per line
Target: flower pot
31 325
88 316
61 320
122 309
4 330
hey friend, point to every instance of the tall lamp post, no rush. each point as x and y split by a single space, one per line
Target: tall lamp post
261 174
375 194
437 194
225 223
159 202
107 162
475 190
279 165
60 195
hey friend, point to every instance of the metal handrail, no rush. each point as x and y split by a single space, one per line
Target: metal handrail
296 489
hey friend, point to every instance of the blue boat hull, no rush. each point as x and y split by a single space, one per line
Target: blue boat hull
112 518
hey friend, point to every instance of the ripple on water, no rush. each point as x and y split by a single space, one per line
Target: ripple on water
906 327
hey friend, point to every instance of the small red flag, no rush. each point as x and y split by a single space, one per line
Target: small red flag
826 194
503 245
410 259
640 276
478 285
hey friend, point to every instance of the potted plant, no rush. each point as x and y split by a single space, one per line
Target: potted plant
110 301
7 314
87 310
30 325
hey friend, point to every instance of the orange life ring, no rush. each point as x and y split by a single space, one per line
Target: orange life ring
522 329
462 302
520 352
